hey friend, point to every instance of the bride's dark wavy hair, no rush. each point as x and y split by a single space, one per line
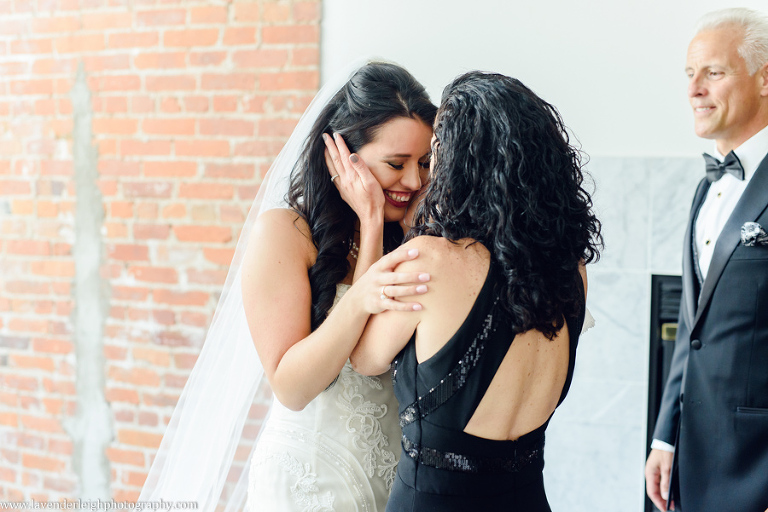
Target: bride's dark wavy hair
506 175
377 93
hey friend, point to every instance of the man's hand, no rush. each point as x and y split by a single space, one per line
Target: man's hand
657 471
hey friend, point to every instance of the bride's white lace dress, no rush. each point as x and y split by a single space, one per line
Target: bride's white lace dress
338 454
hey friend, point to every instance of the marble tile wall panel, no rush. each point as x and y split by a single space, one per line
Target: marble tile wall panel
604 402
596 442
617 347
673 183
621 198
593 474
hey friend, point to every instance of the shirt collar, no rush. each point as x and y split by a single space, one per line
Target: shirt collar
750 153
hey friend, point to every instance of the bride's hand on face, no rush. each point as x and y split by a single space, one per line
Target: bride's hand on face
380 286
355 182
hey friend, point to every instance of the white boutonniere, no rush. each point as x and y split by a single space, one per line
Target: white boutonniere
753 234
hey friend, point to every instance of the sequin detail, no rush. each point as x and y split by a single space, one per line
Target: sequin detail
468 464
454 381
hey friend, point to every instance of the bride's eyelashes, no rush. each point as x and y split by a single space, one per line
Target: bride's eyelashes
424 164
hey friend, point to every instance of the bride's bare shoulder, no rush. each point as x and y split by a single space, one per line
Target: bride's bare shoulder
283 220
285 229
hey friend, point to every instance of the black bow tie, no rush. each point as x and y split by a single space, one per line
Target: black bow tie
716 169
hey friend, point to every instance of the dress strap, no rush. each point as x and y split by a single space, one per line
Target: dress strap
456 378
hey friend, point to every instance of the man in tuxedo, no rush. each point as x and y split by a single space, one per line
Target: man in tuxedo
710 447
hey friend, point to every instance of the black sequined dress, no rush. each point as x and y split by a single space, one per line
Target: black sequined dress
442 468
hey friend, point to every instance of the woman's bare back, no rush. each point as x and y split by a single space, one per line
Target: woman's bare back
529 382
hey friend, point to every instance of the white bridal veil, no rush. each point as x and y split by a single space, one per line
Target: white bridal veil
205 453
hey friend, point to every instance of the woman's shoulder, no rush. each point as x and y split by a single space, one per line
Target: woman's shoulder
441 245
429 247
281 217
434 243
443 255
283 228
282 221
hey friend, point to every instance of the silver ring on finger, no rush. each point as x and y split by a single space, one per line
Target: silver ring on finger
334 177
383 295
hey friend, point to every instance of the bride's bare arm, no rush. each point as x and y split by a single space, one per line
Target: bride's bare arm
277 298
387 333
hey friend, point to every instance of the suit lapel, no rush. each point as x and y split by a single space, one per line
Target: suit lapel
752 203
689 273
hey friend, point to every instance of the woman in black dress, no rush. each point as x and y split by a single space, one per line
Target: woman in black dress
505 229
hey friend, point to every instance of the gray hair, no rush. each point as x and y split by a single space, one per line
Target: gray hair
754 48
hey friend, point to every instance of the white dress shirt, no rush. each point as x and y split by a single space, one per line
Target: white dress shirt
718 205
723 195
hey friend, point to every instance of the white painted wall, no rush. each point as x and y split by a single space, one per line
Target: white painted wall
615 72
613 68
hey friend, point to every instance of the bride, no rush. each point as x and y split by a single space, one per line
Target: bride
307 275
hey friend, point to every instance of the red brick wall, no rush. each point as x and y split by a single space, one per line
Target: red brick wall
190 101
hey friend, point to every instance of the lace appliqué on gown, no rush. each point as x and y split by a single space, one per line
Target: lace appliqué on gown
332 455
304 491
364 424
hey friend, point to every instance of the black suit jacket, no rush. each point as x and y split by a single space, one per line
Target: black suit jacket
715 403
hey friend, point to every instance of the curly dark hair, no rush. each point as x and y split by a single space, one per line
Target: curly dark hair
505 175
377 93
